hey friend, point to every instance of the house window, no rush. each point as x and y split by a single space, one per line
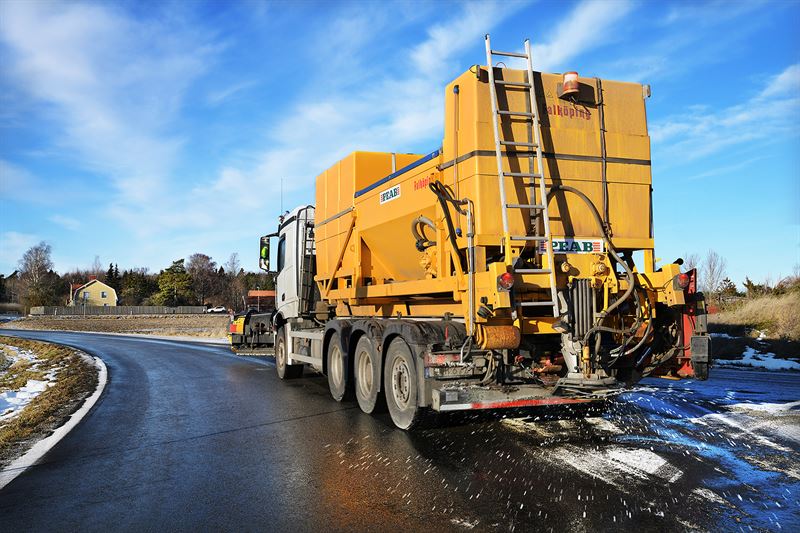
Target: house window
103 294
85 295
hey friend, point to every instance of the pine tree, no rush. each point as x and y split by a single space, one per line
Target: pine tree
174 286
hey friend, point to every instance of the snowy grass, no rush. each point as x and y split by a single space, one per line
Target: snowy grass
751 358
38 391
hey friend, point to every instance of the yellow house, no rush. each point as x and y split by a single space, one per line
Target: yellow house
94 292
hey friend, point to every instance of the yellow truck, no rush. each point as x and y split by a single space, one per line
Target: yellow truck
514 266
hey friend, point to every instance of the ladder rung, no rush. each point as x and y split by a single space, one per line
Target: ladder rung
508 54
514 113
532 304
528 238
521 175
524 206
515 143
532 271
512 83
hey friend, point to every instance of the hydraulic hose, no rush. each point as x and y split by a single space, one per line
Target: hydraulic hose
422 242
444 196
611 251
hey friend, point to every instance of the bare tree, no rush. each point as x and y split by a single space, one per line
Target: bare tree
713 272
36 277
234 283
97 268
690 261
203 271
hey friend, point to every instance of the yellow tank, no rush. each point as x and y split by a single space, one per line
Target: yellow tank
368 261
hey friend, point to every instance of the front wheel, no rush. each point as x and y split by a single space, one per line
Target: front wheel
400 385
285 371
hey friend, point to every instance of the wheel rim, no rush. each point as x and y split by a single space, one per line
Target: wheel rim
401 386
335 365
281 354
364 374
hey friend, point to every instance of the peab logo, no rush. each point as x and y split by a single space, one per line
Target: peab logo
574 246
390 194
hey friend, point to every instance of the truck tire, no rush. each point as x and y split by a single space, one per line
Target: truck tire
285 371
337 370
367 375
400 385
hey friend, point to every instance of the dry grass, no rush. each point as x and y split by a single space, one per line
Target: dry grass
778 317
174 325
76 379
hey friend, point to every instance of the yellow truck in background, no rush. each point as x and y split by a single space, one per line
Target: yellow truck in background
512 267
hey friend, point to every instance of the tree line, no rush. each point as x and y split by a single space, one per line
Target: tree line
715 283
196 280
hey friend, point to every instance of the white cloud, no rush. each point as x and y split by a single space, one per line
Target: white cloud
65 222
116 85
590 24
219 96
701 131
112 85
13 245
389 112
16 182
783 84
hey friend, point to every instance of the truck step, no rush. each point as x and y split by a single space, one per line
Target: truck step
521 175
514 113
532 271
525 206
535 304
508 54
512 83
515 143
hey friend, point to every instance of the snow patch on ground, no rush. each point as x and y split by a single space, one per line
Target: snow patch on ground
722 336
616 465
763 423
775 408
18 354
12 402
707 495
463 522
752 358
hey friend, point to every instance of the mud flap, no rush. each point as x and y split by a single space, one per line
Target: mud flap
700 347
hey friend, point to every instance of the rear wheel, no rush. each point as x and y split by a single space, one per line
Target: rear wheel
337 369
285 371
400 385
367 373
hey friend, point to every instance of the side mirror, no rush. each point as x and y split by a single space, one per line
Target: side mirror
263 258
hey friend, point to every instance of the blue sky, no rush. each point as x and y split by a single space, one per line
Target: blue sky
143 132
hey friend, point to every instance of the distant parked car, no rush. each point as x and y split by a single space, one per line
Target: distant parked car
217 309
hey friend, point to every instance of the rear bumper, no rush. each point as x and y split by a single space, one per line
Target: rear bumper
471 398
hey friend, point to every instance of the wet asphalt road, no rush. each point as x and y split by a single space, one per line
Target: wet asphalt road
190 437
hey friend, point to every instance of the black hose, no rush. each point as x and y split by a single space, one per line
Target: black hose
444 196
611 251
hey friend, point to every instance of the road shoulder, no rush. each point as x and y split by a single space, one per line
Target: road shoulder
69 383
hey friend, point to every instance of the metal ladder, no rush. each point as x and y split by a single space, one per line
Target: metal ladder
306 275
533 179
